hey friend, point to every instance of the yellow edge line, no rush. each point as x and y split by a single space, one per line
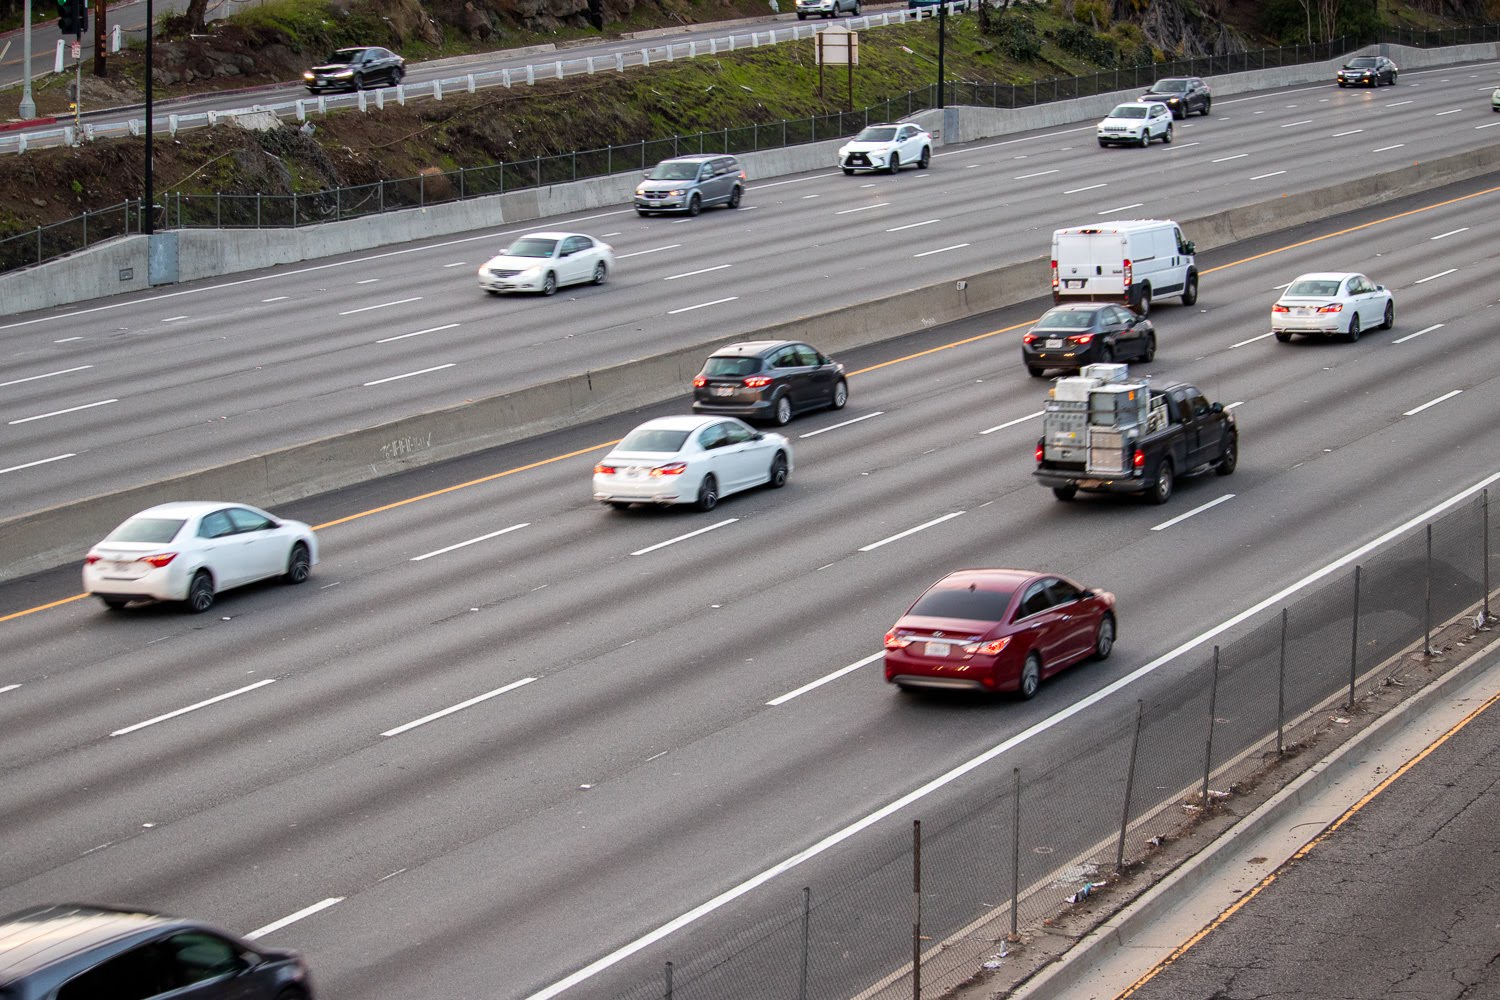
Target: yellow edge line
1307 848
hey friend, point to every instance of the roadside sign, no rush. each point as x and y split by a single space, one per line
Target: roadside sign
77 50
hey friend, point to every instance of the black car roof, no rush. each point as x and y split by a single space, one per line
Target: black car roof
752 348
34 938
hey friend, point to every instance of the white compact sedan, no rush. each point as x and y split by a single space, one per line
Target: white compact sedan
1332 303
887 147
1135 123
191 550
544 262
696 460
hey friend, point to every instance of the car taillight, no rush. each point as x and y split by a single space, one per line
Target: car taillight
604 470
894 641
1129 274
1040 451
670 469
1029 338
1139 461
1054 275
160 559
991 648
1279 308
1331 307
699 382
1082 338
90 559
758 381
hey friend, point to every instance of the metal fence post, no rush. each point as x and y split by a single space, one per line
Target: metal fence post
1135 742
421 190
1427 599
257 210
538 171
1354 643
1015 853
462 188
916 909
1281 690
1213 707
86 227
38 244
806 941
218 210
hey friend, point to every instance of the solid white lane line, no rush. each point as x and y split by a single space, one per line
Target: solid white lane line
481 538
67 340
58 413
1110 211
929 253
382 305
277 298
394 378
1453 112
8 687
1274 173
1305 121
701 305
40 461
1039 173
834 427
863 208
683 538
1451 232
1432 402
910 531
1490 125
367 281
1250 341
1398 104
642 253
1430 277
1226 159
292 918
1383 149
1185 145
440 713
1352 131
33 378
1413 336
193 708
1012 423
461 263
416 333
913 225
1083 189
841 671
689 274
173 319
948 777
1196 510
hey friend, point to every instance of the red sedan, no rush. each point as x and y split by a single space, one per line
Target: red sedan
998 630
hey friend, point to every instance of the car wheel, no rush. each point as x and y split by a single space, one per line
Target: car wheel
735 195
1036 372
1107 354
619 504
1283 336
855 11
1353 335
1341 84
549 283
1231 459
114 603
1104 638
358 83
1150 354
1166 137
601 273
840 395
1390 316
1393 79
848 171
1145 137
1161 488
1208 103
397 77
493 291
708 494
1190 292
778 472
642 212
292 993
695 205
1065 493
894 164
200 595
781 411
802 17
1142 296
1031 677
298 565
925 158
1103 144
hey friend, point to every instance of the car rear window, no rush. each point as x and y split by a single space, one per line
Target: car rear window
653 439
962 602
1067 319
1313 288
153 530
731 366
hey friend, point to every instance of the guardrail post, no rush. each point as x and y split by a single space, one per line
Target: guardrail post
692 50
86 227
505 77
437 90
401 94
538 171
646 56
1213 708
530 74
471 83
21 142
322 106
713 46
359 100
558 66
301 110
421 190
380 99
114 42
1354 641
1135 743
620 61
591 65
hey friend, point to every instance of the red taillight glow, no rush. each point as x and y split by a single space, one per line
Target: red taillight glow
894 641
1039 452
159 560
90 559
1054 275
1081 339
991 648
1139 461
758 381
1129 274
699 382
1332 307
604 470
1279 308
671 469
1029 338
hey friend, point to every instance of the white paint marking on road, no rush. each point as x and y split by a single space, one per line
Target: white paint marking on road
193 708
642 253
461 263
1414 336
1196 510
367 281
1005 746
8 687
1186 145
481 538
841 671
1305 121
277 298
440 713
913 225
1111 211
416 333
1012 423
910 531
809 196
1442 113
173 319
689 274
1490 125
33 378
1274 173
863 208
682 538
1398 104
971 166
1039 173
1432 402
1431 277
394 378
292 918
1250 341
58 413
40 461
1384 149
382 305
1451 232
1238 402
67 340
1083 189
862 185
1352 131
701 305
929 253
1226 159
846 423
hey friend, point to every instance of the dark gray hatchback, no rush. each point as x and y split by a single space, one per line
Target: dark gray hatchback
75 951
769 380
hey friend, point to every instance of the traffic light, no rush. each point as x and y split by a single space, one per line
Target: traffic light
72 16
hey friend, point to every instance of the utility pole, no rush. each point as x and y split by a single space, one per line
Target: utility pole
148 222
99 42
942 34
28 106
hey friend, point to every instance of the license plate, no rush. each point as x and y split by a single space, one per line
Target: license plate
723 390
1054 343
937 649
635 473
1302 310
1074 282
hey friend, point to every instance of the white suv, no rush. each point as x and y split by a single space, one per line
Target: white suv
1136 123
888 148
826 8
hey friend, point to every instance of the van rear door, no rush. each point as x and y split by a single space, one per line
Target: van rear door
1090 264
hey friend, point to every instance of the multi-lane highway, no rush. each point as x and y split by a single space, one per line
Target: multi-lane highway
473 763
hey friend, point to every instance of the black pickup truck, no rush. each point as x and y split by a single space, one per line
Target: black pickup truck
1109 442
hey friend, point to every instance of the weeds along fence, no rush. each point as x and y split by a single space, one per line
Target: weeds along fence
176 210
952 885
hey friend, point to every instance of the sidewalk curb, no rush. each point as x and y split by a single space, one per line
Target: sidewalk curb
1061 979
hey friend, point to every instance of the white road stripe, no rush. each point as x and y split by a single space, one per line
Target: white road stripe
929 253
394 378
173 319
33 378
193 708
1490 125
1110 211
1012 423
1383 149
481 538
460 263
40 461
416 333
846 423
277 298
1196 510
914 225
701 305
683 538
642 253
1413 336
689 274
292 918
1432 402
1442 113
382 305
1039 173
1274 173
1352 131
910 531
58 413
67 340
367 281
440 713
863 208
8 687
1398 104
1430 277
841 671
1083 189
1250 341
1305 121
1451 232
1226 159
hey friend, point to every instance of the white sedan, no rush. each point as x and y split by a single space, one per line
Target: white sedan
887 147
696 460
544 262
1332 303
1135 123
191 550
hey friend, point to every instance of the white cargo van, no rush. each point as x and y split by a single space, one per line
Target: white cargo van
1134 262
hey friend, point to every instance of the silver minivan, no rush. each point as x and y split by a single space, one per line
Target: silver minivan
690 184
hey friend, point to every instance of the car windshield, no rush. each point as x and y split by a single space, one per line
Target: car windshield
344 55
153 530
731 366
876 133
1315 287
654 439
1129 111
1169 86
531 247
674 170
1067 319
1364 62
963 602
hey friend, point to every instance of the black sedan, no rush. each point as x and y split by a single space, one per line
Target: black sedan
1367 71
769 380
1183 95
355 69
1086 333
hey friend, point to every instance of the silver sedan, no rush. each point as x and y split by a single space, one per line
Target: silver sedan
690 460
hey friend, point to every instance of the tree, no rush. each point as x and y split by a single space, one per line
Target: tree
197 12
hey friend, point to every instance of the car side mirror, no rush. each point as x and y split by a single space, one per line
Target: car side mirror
1380 288
1217 408
1189 248
757 436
